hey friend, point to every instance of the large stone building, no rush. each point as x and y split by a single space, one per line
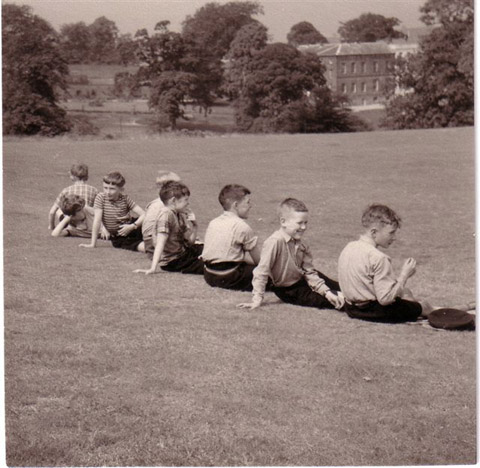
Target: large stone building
357 70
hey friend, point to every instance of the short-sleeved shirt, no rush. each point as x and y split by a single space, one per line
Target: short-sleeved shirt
227 239
87 192
113 211
173 224
286 261
365 274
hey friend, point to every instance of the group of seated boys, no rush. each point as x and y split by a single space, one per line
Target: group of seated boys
230 256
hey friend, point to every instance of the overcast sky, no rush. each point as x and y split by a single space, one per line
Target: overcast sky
279 16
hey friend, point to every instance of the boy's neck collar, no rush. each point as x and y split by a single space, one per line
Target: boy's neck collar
366 237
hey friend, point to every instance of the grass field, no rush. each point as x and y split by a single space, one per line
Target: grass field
105 367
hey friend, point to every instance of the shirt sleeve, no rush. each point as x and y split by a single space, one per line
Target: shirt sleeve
247 238
98 203
311 275
57 201
385 284
130 203
262 271
163 223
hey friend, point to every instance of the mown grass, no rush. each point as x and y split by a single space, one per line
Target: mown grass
104 367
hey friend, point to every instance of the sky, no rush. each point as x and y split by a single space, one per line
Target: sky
279 16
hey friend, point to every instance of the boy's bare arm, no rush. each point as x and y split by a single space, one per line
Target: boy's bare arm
51 216
97 221
59 230
157 254
255 254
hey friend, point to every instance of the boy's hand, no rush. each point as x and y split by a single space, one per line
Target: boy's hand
147 272
87 246
104 234
409 268
126 229
336 300
249 305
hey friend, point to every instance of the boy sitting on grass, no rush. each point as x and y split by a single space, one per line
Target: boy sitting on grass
113 207
153 209
371 289
288 262
79 176
78 219
175 248
231 252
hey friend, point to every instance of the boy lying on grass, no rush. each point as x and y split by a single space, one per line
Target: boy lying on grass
287 261
77 220
174 239
366 277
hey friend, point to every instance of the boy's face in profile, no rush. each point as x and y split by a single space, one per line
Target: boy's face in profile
384 235
243 207
294 223
111 191
181 204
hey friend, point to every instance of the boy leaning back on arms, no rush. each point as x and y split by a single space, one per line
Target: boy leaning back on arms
175 248
288 262
113 207
371 289
231 252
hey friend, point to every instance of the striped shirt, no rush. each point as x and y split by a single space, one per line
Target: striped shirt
366 274
114 211
227 239
285 261
80 188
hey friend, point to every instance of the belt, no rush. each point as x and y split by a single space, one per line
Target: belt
221 269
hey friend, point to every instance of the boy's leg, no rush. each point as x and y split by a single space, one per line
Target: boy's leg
188 262
240 279
398 312
301 294
130 242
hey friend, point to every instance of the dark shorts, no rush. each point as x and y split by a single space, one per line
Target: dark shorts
130 242
399 311
229 275
188 262
302 294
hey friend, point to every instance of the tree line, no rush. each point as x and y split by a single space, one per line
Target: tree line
224 51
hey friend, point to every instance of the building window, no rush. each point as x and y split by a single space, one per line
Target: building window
364 87
353 67
354 87
376 85
344 88
364 67
344 68
375 67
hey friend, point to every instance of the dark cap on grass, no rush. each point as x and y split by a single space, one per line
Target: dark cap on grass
451 319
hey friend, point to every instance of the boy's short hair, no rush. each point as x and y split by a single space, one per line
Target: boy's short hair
172 189
165 176
291 204
79 171
114 178
232 193
380 214
71 204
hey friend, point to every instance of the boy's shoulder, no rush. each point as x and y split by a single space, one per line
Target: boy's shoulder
366 248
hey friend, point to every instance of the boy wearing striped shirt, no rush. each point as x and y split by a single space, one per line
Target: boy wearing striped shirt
112 208
288 262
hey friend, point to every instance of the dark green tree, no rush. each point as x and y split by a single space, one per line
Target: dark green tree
370 27
103 33
126 50
437 83
33 71
75 42
305 33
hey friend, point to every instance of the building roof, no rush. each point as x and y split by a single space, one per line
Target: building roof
348 48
